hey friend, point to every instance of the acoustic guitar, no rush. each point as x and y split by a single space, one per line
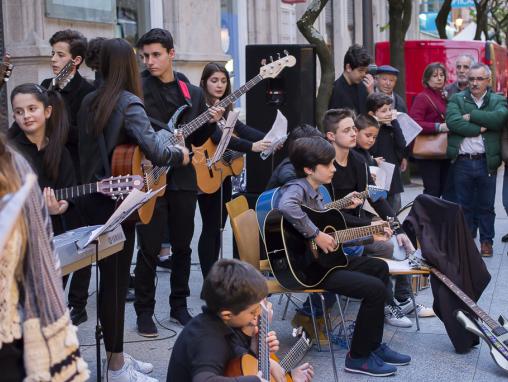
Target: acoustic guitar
129 159
250 365
476 321
298 263
59 81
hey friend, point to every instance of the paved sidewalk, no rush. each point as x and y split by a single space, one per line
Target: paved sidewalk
433 356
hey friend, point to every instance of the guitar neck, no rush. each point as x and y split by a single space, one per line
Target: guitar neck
75 191
349 234
346 201
466 299
263 349
294 355
204 117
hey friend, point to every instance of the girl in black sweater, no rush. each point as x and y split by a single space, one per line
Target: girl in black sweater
216 85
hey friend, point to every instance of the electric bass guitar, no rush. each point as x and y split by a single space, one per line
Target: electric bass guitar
114 187
268 200
297 262
477 321
250 365
5 70
129 159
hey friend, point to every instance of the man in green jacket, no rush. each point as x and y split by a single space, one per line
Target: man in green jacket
475 118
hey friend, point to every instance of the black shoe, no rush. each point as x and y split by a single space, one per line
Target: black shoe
130 296
78 316
504 239
180 316
146 326
167 264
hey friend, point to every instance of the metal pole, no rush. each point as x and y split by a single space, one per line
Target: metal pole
368 26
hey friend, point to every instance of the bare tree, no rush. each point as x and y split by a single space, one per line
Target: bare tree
481 18
498 20
442 18
306 27
400 18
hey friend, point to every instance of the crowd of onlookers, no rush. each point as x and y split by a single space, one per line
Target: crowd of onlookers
462 127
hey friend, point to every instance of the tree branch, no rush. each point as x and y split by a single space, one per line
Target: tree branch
442 18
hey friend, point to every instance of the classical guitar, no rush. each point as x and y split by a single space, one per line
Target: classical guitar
5 70
250 365
128 159
115 187
268 200
60 80
298 263
477 321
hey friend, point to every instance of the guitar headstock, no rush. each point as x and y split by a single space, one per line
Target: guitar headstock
63 75
272 69
302 334
120 186
393 223
5 69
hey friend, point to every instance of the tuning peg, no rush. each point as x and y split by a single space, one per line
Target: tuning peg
278 56
271 58
263 61
286 52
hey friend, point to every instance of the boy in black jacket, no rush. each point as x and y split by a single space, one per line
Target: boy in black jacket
390 143
164 94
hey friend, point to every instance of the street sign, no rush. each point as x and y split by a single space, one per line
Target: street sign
462 3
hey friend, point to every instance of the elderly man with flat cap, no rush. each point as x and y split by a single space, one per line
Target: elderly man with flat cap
386 79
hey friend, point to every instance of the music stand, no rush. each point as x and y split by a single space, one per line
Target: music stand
219 152
11 206
132 203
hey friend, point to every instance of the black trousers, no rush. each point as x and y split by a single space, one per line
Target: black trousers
364 278
434 174
210 210
176 210
114 275
78 289
11 362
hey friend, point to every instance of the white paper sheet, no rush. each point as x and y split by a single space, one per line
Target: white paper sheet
277 134
227 132
410 128
384 174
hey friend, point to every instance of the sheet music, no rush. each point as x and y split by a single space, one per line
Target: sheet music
227 131
277 134
410 128
11 206
132 202
384 174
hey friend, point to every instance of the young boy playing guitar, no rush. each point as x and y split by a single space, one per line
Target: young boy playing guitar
233 291
363 278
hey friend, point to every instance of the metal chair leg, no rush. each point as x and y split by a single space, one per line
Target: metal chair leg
288 295
281 296
343 319
414 307
330 344
314 324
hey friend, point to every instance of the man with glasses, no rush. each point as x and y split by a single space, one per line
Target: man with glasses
462 66
476 117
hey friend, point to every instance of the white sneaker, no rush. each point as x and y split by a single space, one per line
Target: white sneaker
423 311
128 374
395 317
142 367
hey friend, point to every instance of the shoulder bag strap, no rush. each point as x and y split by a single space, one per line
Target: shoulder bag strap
435 107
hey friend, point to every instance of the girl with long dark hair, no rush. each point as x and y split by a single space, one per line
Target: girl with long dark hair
216 84
114 114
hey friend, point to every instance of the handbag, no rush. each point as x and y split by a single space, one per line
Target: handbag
431 146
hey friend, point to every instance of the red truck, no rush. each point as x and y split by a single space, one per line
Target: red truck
419 53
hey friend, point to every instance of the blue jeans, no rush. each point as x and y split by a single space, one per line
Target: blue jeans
476 190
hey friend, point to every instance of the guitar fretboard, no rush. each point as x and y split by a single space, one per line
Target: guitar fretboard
295 354
346 201
349 234
263 349
75 191
494 326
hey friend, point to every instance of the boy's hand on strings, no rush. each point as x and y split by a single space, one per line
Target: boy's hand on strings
303 373
55 207
355 200
326 242
387 232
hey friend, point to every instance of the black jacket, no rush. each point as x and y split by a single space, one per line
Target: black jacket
365 156
128 124
283 173
358 216
447 244
399 104
66 176
353 97
181 178
391 145
73 94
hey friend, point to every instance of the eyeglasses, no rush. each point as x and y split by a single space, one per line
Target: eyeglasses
462 66
471 79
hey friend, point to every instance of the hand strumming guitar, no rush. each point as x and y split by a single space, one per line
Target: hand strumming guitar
186 155
326 242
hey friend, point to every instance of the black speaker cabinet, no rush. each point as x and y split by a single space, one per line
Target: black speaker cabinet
293 92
